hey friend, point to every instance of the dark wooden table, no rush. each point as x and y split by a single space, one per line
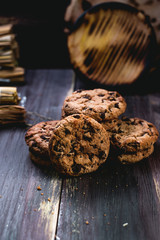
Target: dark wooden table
116 202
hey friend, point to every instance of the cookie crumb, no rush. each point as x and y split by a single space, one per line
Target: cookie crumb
39 188
87 222
104 214
35 210
125 224
49 200
42 193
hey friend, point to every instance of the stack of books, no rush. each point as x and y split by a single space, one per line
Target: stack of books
10 111
9 55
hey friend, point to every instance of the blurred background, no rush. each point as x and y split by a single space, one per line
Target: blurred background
39 32
40 29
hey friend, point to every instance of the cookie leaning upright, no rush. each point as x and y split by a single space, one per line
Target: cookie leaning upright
78 145
37 138
133 139
100 104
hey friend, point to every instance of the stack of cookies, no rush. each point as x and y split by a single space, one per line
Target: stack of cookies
37 138
80 142
76 145
133 139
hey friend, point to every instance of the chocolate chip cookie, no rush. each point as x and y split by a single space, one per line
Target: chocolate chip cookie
99 104
133 139
37 138
79 145
133 134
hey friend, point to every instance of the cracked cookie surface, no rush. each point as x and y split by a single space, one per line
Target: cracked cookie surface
134 157
37 138
99 104
78 145
133 134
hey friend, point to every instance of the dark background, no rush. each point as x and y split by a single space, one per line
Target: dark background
43 43
39 31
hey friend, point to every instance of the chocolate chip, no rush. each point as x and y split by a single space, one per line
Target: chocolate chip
111 98
125 119
87 97
117 94
116 105
111 93
81 148
76 168
90 128
86 138
55 148
79 90
67 131
34 144
102 115
100 95
141 122
102 154
76 116
120 131
91 156
95 146
43 137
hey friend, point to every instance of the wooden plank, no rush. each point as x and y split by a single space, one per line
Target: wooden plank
25 213
118 201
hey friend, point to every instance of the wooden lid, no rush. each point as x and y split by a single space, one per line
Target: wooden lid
111 43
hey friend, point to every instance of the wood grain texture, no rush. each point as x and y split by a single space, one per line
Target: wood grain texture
25 213
118 201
